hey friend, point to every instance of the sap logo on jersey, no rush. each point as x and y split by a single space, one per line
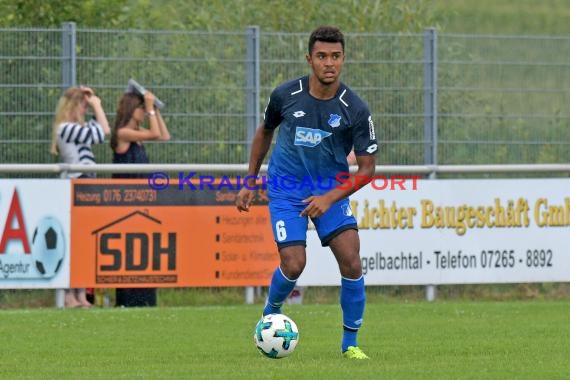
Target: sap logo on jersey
310 137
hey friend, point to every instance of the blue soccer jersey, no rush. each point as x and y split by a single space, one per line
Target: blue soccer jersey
314 138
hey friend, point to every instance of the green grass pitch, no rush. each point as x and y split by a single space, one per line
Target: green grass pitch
417 340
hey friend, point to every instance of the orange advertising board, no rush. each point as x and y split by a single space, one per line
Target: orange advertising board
125 234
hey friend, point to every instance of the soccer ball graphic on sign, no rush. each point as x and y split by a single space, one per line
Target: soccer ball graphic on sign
276 336
48 247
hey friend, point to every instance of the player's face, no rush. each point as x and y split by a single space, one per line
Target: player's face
326 60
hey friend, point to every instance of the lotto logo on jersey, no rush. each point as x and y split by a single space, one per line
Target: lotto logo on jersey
310 137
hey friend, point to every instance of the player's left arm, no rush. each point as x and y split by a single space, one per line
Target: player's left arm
319 204
365 148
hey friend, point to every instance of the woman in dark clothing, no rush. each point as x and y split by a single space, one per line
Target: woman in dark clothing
127 139
127 135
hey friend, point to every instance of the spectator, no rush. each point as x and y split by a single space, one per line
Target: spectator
72 138
127 140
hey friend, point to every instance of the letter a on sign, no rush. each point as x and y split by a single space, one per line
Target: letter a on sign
18 232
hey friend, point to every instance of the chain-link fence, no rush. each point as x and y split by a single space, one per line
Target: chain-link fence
435 98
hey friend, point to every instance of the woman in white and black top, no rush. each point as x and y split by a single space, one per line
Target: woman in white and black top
72 139
72 136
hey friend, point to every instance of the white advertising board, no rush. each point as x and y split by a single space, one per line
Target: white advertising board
34 233
456 232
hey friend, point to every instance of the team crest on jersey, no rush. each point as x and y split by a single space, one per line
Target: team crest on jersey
334 120
310 137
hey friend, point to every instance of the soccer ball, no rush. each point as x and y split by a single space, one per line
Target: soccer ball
276 336
48 247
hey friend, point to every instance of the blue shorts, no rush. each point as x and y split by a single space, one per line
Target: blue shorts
291 229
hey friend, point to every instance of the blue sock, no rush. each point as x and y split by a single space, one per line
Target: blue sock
279 289
352 300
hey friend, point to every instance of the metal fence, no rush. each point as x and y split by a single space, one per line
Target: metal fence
436 98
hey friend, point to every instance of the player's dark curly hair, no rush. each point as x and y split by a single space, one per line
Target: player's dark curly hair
326 34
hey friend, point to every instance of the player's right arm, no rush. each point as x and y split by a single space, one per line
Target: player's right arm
259 148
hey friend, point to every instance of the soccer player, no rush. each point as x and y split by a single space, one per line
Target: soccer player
320 120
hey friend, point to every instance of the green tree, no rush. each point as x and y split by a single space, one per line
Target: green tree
50 13
270 15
